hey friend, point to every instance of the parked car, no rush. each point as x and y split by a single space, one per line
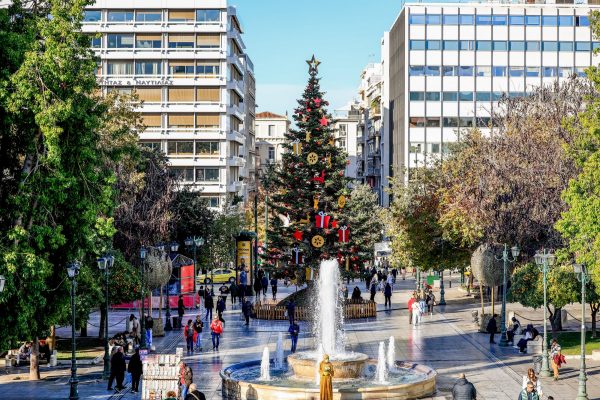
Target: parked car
220 275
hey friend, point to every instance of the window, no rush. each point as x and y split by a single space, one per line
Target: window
549 20
465 96
207 174
120 68
341 143
499 20
449 96
179 147
485 45
209 94
271 155
565 46
516 45
417 19
595 46
433 44
432 70
582 20
416 70
213 202
149 94
565 72
498 71
450 44
152 120
499 45
148 16
465 122
583 46
450 19
271 130
450 70
496 96
343 132
532 72
464 70
532 46
467 45
450 122
484 71
120 16
433 19
181 68
208 41
516 72
123 91
550 72
580 71
434 147
432 96
432 122
181 94
417 96
153 41
565 20
207 120
416 122
96 42
549 46
181 16
181 121
417 45
181 41
483 96
208 68
151 145
183 174
120 41
483 20
148 67
207 148
516 20
96 16
208 15
532 20
483 122
416 147
466 19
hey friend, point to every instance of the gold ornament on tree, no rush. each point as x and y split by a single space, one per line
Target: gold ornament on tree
307 136
317 241
296 147
316 202
342 201
312 158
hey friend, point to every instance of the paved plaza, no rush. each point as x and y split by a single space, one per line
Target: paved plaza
447 341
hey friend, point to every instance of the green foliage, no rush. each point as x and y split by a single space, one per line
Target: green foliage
366 219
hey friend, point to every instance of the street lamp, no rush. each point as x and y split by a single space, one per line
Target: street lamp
72 272
143 253
582 275
515 253
544 260
105 264
194 243
168 326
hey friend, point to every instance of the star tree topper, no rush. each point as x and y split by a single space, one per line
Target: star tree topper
313 65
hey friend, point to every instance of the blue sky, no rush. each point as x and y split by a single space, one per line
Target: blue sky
280 35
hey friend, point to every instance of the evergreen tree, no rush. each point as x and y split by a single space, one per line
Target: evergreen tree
308 191
365 218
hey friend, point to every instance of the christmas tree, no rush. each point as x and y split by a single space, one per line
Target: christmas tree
309 190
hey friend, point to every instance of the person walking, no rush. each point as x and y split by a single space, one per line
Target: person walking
274 287
136 370
220 308
257 288
188 334
387 293
194 393
233 289
180 310
529 393
187 380
294 331
216 329
492 327
117 369
463 389
247 311
291 310
149 326
411 301
533 378
394 274
209 304
556 357
417 311
373 290
198 325
430 301
243 280
264 282
135 329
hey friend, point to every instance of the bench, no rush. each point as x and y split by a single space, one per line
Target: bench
12 359
535 346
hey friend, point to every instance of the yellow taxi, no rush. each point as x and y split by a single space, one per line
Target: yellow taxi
220 275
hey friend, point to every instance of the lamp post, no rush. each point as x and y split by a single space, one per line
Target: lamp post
72 272
193 243
168 326
544 260
515 253
582 275
105 264
143 253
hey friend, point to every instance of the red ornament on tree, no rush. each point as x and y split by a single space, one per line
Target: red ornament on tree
317 101
323 121
334 224
298 235
322 220
319 179
344 234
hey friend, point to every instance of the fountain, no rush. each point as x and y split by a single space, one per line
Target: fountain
356 375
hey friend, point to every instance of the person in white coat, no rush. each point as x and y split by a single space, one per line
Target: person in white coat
533 378
417 311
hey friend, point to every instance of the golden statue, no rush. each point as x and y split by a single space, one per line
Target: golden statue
326 373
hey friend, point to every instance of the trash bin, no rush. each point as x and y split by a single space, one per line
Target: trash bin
537 364
53 358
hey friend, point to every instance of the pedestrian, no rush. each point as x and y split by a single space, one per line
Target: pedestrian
187 379
274 287
373 290
257 288
180 310
149 325
171 395
264 282
404 273
417 312
136 370
411 301
533 378
209 305
387 293
194 393
368 279
556 357
117 369
224 291
135 329
182 385
233 289
294 331
529 393
430 302
492 327
356 295
463 389
291 310
243 280
198 325
221 308
394 274
247 311
188 334
216 328
516 325
345 292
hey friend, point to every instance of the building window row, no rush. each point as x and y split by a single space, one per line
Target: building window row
450 122
503 45
429 147
175 68
153 16
499 20
177 94
462 96
496 71
201 175
188 121
200 41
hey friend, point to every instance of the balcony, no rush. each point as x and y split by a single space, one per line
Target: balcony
234 186
236 110
236 85
235 161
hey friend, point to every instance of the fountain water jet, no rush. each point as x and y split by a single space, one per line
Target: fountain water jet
381 374
265 365
329 316
279 351
391 354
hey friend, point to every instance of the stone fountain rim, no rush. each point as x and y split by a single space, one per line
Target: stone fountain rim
360 357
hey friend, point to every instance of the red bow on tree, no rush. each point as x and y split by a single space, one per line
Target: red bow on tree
319 179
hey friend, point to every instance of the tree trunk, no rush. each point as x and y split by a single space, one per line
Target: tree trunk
595 308
34 361
83 330
103 321
52 338
160 302
481 298
493 300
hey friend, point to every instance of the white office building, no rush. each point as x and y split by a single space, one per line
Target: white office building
186 60
347 123
271 129
448 64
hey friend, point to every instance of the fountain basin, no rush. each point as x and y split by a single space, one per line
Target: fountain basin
305 366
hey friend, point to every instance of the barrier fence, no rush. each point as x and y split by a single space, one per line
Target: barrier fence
366 309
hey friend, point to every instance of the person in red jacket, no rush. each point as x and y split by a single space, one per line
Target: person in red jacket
188 332
216 328
410 304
